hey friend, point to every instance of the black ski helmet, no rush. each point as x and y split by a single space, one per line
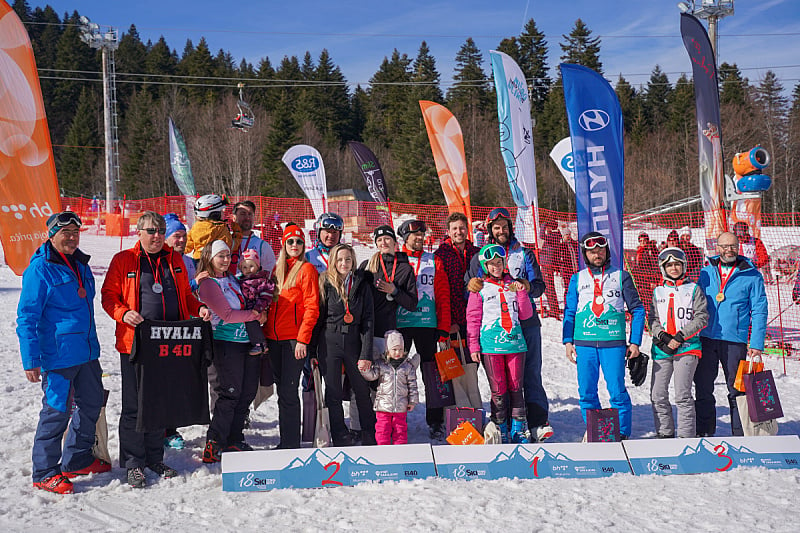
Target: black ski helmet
594 235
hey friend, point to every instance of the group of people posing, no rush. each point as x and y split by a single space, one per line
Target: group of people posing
312 305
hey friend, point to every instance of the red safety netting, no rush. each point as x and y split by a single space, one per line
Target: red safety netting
556 236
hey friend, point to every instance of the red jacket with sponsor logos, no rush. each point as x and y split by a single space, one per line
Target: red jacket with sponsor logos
120 292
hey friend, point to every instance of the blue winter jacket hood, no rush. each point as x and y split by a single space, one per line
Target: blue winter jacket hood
55 326
745 305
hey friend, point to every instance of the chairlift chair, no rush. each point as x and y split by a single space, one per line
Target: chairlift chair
245 119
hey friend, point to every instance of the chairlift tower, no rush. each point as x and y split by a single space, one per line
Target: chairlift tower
712 10
105 39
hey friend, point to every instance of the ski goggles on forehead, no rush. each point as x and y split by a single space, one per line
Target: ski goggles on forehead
669 256
594 242
332 223
490 253
496 213
416 225
64 219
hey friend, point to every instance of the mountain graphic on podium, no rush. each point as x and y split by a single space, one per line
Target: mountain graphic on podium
706 452
320 458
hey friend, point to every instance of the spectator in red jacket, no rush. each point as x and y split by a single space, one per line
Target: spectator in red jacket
753 248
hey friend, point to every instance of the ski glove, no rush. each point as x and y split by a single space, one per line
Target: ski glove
637 367
662 341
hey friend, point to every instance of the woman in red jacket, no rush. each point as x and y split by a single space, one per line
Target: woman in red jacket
290 323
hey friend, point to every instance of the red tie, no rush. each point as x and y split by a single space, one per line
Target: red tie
597 308
671 329
505 317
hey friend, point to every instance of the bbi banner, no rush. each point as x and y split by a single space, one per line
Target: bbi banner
373 176
516 141
561 154
595 128
447 144
709 134
28 185
305 164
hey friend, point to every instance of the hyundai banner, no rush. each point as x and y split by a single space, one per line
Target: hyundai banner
595 128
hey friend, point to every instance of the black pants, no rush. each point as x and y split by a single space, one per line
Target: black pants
287 380
425 340
135 449
237 384
344 349
715 352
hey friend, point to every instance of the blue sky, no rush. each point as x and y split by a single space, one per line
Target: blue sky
636 34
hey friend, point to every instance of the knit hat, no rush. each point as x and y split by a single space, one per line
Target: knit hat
292 230
685 231
173 224
60 220
385 229
251 255
394 339
219 246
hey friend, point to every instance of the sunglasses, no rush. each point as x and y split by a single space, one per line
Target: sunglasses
66 218
496 213
594 242
294 242
153 231
494 251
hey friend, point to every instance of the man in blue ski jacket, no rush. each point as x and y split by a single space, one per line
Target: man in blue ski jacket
59 347
737 305
594 328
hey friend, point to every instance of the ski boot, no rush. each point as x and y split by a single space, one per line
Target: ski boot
505 437
519 432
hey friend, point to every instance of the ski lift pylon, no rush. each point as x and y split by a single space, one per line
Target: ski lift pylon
245 119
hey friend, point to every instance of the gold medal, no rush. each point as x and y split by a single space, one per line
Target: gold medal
720 297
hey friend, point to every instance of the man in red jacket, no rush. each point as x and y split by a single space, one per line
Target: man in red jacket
430 322
148 281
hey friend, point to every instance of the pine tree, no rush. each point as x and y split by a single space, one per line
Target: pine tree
656 99
160 60
533 62
416 178
79 156
471 89
772 108
276 179
45 34
330 101
388 100
71 55
579 47
198 62
265 97
23 10
138 132
130 58
681 107
733 88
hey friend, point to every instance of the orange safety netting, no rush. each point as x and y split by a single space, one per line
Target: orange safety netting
557 245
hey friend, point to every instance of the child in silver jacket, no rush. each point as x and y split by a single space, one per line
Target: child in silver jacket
397 390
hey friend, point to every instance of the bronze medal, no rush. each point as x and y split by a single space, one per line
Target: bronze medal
81 292
348 318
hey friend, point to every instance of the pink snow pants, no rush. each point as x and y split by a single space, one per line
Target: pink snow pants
505 373
391 428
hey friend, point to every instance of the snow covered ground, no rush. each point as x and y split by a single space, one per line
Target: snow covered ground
742 499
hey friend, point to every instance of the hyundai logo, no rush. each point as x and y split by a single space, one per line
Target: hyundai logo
593 120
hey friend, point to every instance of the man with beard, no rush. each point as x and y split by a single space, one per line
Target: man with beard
737 305
594 328
522 266
243 215
455 253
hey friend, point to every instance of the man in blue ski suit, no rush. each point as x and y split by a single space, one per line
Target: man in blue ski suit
59 347
522 266
737 302
594 328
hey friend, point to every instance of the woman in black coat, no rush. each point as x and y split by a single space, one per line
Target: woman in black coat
393 283
345 332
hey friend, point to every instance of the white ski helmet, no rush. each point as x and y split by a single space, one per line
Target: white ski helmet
209 203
